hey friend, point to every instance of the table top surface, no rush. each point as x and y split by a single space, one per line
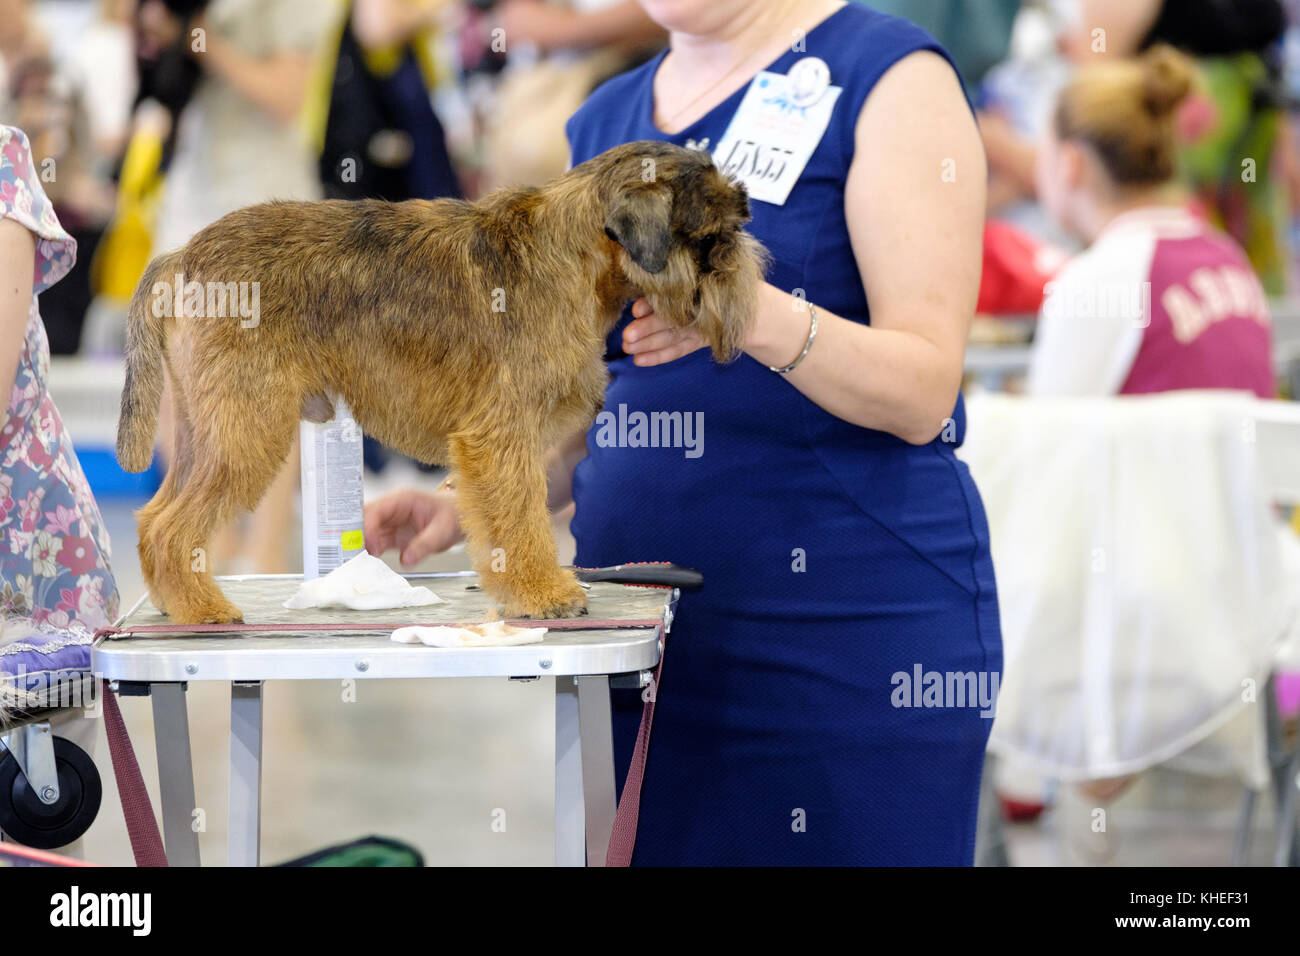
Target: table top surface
344 651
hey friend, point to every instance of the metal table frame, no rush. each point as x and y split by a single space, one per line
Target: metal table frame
582 662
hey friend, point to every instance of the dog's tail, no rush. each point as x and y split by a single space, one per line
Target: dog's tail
146 341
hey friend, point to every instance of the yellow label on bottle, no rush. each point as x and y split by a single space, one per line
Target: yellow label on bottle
353 540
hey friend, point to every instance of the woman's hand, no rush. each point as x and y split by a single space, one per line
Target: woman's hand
417 523
650 340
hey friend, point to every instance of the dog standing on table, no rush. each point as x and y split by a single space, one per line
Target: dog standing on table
464 334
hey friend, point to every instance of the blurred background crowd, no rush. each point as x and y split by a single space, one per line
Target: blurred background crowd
162 115
156 117
149 119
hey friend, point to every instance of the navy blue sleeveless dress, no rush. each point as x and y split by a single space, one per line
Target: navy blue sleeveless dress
840 563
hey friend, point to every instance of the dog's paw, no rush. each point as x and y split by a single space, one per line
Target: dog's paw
225 613
570 601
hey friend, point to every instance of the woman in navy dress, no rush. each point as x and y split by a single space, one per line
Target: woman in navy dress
820 700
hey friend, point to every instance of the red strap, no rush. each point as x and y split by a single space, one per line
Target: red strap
622 838
141 826
339 627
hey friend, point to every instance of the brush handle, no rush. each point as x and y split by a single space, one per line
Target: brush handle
661 574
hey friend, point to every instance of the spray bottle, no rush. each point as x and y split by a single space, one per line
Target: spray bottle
331 492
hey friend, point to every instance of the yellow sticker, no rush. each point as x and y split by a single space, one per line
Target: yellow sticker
353 540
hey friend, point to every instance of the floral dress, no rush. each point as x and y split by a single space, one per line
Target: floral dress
56 585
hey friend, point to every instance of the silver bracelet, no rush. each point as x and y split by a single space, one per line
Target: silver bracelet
812 334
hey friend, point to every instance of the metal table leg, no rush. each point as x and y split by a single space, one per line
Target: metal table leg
596 729
1245 822
245 815
171 728
570 826
1286 852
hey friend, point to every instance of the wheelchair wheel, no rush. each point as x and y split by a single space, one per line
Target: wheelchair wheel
26 820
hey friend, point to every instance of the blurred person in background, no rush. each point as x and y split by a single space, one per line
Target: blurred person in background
77 179
100 66
378 134
1204 319
37 97
558 52
238 141
1229 128
1105 174
20 40
379 111
1159 300
1016 99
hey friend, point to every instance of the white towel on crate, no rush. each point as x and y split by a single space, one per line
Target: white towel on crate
1138 575
492 634
364 583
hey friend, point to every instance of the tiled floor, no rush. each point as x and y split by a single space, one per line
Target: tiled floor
436 762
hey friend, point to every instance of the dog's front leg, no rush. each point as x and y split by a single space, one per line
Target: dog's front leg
501 495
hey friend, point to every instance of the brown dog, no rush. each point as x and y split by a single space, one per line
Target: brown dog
465 334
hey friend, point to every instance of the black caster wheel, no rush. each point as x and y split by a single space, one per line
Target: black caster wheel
26 820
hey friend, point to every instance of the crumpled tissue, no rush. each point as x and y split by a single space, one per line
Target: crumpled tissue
365 583
492 634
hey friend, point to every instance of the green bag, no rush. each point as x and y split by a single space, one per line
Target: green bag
367 851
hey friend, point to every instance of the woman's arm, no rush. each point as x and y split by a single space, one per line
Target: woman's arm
555 27
277 83
914 202
17 262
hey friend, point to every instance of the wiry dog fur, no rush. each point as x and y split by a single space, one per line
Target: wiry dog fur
391 306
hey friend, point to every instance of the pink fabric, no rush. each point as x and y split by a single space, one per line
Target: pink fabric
1287 684
1210 324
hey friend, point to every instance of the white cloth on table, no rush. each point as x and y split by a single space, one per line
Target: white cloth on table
1138 574
364 583
491 634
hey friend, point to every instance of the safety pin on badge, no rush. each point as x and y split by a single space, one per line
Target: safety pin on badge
809 79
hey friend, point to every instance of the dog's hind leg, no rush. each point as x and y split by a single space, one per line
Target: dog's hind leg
173 482
233 457
501 495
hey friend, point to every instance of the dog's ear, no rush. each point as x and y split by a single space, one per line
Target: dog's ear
727 295
639 220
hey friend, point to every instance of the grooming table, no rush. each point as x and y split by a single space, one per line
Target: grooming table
356 644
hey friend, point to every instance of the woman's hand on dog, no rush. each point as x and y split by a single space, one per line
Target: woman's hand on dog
650 340
417 523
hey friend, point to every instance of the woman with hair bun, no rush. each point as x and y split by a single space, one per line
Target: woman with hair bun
1237 113
1160 300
